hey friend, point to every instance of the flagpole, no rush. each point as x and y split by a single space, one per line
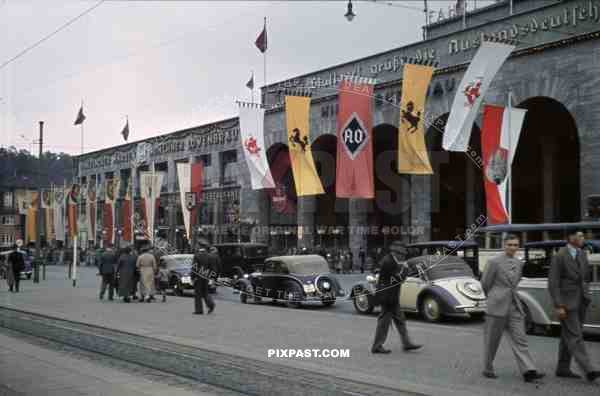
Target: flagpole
509 166
265 59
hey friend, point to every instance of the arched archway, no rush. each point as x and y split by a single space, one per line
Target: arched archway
457 193
545 172
282 223
331 212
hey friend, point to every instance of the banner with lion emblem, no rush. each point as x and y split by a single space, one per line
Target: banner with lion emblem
473 86
252 118
413 157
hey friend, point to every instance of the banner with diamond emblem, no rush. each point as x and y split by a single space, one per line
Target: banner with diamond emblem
354 160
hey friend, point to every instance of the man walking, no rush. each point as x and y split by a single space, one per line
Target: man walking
106 268
362 256
126 269
146 264
16 264
204 267
568 286
505 311
391 275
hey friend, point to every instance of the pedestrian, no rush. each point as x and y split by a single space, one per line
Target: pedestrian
391 275
162 279
339 262
204 268
568 284
16 264
106 269
146 264
505 311
126 268
362 256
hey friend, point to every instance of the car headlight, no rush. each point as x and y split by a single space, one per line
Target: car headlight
186 279
245 276
309 288
470 289
326 286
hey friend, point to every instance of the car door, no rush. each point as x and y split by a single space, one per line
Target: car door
593 314
409 292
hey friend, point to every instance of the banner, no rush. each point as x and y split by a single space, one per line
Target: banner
90 210
150 185
22 201
59 213
190 188
252 118
108 216
31 217
72 206
49 216
306 178
354 160
478 77
126 212
499 138
281 197
46 198
412 151
116 191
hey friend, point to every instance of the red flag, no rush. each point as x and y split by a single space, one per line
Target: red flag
107 222
261 41
126 220
354 163
494 163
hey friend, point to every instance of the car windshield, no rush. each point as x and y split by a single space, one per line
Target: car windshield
256 251
179 263
447 270
308 267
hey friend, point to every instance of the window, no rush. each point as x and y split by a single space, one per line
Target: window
3 220
8 199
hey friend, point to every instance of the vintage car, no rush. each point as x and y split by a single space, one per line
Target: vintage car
238 259
292 279
179 267
437 286
468 250
533 288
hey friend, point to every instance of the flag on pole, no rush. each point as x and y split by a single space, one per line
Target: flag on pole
500 126
261 40
80 116
190 188
354 159
478 77
125 131
250 83
252 118
412 152
307 180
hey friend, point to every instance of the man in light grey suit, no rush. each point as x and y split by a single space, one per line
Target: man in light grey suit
568 286
505 311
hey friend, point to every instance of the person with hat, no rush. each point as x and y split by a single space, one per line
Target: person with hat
568 284
392 273
16 264
146 264
203 269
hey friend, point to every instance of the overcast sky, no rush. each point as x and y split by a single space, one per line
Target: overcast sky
161 62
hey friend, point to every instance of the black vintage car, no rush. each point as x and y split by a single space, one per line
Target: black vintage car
292 279
179 267
238 259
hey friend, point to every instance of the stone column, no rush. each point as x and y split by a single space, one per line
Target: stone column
420 208
357 228
263 202
307 206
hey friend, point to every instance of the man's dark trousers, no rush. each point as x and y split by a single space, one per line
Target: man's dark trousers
17 281
201 293
107 280
390 313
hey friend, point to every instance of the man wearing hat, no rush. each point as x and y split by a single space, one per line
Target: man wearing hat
203 269
392 273
568 286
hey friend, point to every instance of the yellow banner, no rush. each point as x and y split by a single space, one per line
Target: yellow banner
306 178
31 217
412 151
49 224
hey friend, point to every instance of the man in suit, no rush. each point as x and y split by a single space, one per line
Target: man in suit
568 286
392 273
16 264
505 312
203 269
106 269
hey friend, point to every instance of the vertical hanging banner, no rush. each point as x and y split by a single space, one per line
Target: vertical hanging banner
252 118
31 219
500 133
281 197
150 185
354 160
59 213
190 189
297 119
412 151
473 86
107 210
47 205
90 210
126 212
73 201
116 191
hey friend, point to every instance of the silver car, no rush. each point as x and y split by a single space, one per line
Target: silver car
533 289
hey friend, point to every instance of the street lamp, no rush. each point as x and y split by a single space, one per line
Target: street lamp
349 14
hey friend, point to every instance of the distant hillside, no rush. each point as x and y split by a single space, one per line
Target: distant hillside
21 169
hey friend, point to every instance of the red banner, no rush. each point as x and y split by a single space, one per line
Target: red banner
107 223
126 220
280 197
354 163
196 187
72 215
494 163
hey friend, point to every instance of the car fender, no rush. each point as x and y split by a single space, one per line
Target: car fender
293 280
447 300
241 285
363 286
538 315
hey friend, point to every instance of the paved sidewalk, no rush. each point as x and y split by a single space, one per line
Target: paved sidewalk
450 363
30 369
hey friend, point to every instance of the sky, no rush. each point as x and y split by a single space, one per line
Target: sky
160 63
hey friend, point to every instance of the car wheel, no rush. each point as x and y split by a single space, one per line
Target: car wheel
431 308
238 271
292 295
178 289
245 294
361 303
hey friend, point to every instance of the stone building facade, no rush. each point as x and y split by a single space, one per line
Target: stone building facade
554 73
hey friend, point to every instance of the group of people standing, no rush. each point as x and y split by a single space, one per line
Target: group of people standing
127 273
568 286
